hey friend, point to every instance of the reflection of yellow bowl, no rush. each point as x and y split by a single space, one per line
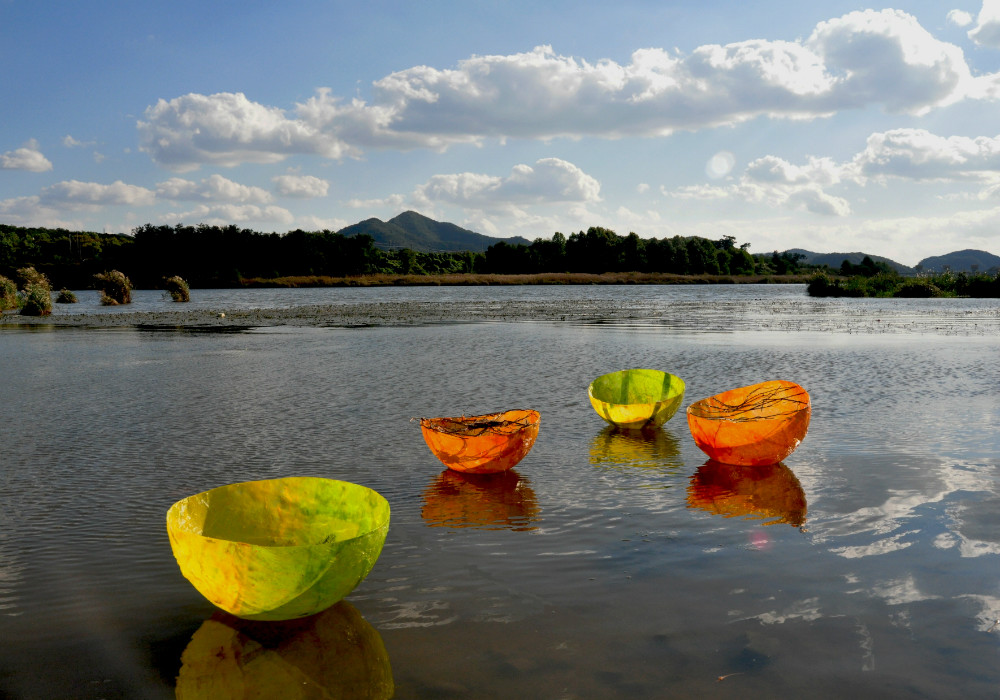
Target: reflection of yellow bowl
489 501
639 449
761 492
280 548
753 425
335 654
483 444
636 398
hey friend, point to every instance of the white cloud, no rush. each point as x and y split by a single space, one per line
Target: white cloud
317 223
550 180
30 211
70 142
960 18
393 201
214 188
918 154
862 59
987 29
227 129
886 57
226 214
906 154
73 193
777 183
28 157
304 186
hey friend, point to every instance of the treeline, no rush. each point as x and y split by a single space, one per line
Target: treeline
889 283
227 256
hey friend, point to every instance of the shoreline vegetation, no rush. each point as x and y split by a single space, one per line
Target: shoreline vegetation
180 258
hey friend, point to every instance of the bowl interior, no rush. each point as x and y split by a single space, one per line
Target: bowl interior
294 511
636 386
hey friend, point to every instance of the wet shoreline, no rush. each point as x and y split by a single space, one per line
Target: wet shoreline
722 316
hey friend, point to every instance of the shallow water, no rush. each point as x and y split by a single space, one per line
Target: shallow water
604 565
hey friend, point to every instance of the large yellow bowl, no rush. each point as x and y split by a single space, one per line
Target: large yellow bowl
636 398
281 548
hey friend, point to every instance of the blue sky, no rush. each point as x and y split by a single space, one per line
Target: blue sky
831 126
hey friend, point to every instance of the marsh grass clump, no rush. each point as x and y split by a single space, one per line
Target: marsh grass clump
178 288
115 288
36 292
66 296
36 300
8 293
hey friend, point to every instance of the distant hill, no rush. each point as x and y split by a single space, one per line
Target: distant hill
835 260
962 261
420 233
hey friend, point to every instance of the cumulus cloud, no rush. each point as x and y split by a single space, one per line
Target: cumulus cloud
960 18
870 58
226 214
303 186
73 193
214 188
549 180
29 211
28 157
906 154
227 129
987 29
778 183
918 154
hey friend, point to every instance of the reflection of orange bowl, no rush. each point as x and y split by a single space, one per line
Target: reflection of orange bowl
763 492
335 654
753 425
492 442
490 501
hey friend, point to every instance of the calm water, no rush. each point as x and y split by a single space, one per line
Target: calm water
603 566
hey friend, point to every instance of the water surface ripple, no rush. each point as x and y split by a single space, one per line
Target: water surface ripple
604 565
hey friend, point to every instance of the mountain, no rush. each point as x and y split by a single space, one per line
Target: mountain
417 232
834 260
962 261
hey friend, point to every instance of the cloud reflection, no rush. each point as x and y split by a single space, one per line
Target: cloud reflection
490 501
335 653
771 493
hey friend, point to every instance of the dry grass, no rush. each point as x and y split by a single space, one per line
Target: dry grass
474 279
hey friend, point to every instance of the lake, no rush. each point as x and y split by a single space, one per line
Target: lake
604 565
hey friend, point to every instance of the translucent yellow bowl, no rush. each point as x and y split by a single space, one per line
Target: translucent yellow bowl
636 398
281 548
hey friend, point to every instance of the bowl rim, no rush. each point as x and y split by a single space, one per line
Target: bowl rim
173 526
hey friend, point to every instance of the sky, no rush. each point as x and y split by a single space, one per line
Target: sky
833 127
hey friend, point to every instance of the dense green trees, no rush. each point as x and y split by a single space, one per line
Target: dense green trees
223 256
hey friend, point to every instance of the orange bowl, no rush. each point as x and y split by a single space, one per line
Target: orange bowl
492 442
751 426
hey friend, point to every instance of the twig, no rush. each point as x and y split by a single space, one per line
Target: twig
722 678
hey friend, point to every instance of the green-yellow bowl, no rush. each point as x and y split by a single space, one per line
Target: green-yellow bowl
278 549
636 398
